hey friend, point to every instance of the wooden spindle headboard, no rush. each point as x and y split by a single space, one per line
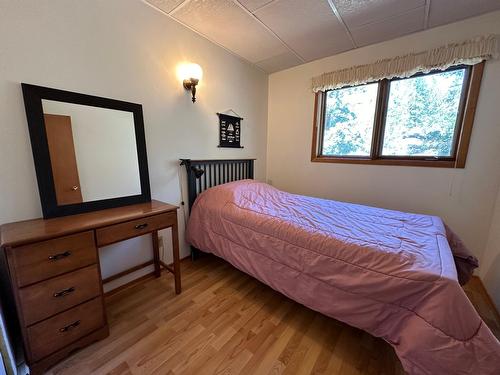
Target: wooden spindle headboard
215 172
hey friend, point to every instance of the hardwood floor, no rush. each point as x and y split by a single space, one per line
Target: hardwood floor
484 305
226 322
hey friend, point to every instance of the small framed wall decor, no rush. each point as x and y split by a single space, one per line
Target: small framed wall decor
229 130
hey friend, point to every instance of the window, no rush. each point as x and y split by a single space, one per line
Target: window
348 127
423 120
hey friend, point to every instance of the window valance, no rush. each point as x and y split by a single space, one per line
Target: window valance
469 52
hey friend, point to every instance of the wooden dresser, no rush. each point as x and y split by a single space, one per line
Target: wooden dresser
51 270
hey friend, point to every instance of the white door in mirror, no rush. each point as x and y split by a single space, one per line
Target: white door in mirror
105 148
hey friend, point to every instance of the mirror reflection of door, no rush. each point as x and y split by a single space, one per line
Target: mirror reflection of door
98 152
63 159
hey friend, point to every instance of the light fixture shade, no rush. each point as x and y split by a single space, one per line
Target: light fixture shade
189 71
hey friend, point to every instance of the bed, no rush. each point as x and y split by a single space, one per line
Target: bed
387 272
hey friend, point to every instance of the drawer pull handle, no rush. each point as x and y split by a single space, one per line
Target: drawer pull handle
60 256
69 327
64 292
141 226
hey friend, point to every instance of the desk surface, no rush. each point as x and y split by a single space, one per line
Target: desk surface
24 232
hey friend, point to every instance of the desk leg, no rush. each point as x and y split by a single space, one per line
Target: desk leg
156 253
175 250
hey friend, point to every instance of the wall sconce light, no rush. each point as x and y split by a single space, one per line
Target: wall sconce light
191 75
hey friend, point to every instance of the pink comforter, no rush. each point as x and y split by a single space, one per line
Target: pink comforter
389 273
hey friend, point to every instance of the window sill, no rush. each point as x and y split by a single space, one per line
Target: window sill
400 162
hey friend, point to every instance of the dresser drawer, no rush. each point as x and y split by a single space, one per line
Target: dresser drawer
129 229
41 300
55 333
42 260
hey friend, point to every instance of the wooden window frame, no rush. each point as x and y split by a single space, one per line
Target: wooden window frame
461 140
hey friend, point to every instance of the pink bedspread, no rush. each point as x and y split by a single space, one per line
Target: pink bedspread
389 273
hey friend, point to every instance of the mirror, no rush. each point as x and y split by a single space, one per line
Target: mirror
89 152
92 152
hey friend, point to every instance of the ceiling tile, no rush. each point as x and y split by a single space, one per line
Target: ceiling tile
280 62
446 11
252 5
310 27
489 5
226 23
356 13
390 28
166 5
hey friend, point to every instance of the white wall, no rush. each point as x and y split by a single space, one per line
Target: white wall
490 270
105 149
121 49
464 198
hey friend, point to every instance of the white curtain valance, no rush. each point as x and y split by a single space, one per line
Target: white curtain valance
469 52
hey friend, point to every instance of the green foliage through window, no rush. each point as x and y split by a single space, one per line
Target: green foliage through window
422 114
420 117
349 114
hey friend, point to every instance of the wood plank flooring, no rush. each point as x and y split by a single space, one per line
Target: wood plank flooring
226 322
479 297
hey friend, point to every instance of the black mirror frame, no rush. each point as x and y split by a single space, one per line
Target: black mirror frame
33 96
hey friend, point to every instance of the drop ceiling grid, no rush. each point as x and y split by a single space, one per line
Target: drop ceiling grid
279 34
232 26
308 27
364 12
254 5
406 23
446 11
290 49
166 5
152 4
